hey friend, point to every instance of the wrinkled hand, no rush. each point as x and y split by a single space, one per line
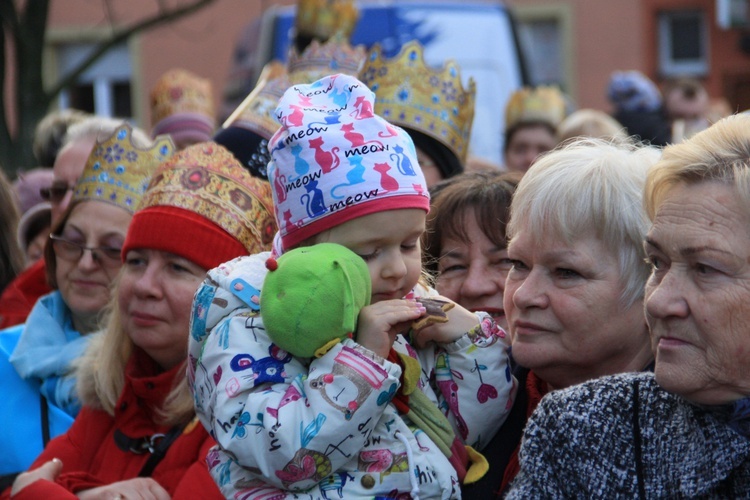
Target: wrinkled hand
48 471
460 321
379 323
141 488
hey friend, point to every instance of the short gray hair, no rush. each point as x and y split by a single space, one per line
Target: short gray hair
100 128
590 187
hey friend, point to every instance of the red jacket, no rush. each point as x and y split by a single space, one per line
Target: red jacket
22 293
91 458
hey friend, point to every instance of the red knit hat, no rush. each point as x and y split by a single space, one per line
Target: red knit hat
204 206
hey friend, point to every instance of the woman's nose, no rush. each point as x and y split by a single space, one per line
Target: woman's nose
531 291
481 281
665 299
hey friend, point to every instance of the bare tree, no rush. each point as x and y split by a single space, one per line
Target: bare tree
24 25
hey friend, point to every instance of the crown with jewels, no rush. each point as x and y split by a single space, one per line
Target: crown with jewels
541 104
336 55
322 19
180 91
429 100
257 111
118 172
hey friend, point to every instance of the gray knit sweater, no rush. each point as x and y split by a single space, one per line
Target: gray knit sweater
584 442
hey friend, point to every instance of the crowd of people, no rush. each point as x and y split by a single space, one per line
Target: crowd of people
327 296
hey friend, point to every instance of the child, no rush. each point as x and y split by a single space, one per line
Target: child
296 427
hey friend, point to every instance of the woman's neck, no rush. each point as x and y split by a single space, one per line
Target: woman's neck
85 323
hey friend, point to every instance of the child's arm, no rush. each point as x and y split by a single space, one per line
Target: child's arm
288 421
469 358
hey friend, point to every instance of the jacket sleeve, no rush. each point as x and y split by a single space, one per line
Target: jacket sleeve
40 489
473 382
196 481
290 421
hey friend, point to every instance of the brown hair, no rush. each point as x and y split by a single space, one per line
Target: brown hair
486 195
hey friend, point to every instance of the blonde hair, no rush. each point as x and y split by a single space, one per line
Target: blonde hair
590 187
100 372
100 128
719 153
590 123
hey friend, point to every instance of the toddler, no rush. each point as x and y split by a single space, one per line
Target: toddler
345 423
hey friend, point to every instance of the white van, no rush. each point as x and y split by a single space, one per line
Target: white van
479 35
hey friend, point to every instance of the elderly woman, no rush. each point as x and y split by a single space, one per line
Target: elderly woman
82 260
574 294
136 436
465 246
682 431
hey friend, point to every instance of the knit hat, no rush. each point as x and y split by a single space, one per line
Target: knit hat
182 106
334 160
28 184
202 205
633 91
117 171
311 297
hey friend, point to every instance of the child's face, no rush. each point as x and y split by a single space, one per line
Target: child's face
389 243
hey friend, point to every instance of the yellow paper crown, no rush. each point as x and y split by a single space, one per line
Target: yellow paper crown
428 100
118 172
180 91
257 111
322 19
336 55
540 104
206 179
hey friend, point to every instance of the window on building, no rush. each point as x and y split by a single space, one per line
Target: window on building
541 40
104 88
683 43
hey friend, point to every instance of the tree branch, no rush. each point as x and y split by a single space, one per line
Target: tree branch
121 35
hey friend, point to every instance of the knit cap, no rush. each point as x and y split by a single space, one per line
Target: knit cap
204 206
334 160
633 91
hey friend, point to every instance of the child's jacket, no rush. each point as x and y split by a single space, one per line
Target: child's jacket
324 427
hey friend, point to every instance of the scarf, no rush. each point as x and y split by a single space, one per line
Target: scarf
46 350
470 465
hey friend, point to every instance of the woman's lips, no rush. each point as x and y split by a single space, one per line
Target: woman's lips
143 319
671 342
527 328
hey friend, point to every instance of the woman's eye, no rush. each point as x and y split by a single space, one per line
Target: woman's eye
655 262
704 269
565 273
451 268
517 265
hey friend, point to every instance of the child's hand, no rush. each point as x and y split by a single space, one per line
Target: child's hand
379 323
460 321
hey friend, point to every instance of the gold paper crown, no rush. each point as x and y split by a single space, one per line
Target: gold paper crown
428 100
118 172
180 91
207 180
257 112
336 55
540 104
322 19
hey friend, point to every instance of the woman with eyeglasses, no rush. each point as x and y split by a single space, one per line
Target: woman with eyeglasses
82 259
137 435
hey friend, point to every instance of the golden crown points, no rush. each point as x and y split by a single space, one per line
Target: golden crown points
544 103
118 172
257 111
335 55
180 91
206 179
429 100
323 19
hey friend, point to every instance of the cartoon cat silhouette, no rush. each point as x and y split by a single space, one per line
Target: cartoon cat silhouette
300 165
355 175
387 182
403 163
328 160
313 199
362 109
356 138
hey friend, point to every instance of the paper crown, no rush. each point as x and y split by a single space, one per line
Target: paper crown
336 55
257 111
540 104
324 18
428 100
180 91
118 172
206 179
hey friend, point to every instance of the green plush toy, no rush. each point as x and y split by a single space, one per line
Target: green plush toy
311 297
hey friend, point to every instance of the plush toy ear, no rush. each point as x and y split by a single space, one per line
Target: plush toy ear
354 298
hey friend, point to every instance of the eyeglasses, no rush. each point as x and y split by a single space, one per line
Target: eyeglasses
56 192
72 252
